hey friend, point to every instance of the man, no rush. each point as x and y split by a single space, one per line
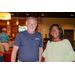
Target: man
1 53
4 41
29 43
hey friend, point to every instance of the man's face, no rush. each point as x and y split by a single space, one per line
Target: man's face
31 25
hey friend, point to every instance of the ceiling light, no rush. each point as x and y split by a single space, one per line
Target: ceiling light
5 16
71 14
42 14
12 14
27 14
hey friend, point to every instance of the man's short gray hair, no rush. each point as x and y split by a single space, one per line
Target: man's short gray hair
32 18
4 29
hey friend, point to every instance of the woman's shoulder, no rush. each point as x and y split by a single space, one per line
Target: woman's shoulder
66 40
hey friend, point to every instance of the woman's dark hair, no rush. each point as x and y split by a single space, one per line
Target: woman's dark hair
60 32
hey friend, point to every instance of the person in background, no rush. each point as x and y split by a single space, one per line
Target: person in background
1 54
1 58
58 49
12 37
9 37
0 42
29 43
4 41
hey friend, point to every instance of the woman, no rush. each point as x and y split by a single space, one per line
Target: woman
58 49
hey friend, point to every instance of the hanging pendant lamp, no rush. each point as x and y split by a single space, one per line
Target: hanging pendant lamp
5 16
17 22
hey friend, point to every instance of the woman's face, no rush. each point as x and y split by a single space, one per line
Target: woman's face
55 32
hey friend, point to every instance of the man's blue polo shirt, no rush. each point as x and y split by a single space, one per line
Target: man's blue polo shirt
28 46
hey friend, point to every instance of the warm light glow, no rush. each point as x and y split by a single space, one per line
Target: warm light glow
71 15
7 22
17 22
5 16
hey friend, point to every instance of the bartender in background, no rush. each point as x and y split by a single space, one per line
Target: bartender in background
4 41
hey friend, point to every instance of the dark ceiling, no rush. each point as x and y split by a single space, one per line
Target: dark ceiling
44 14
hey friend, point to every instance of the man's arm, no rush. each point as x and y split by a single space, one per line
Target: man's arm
40 53
14 52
